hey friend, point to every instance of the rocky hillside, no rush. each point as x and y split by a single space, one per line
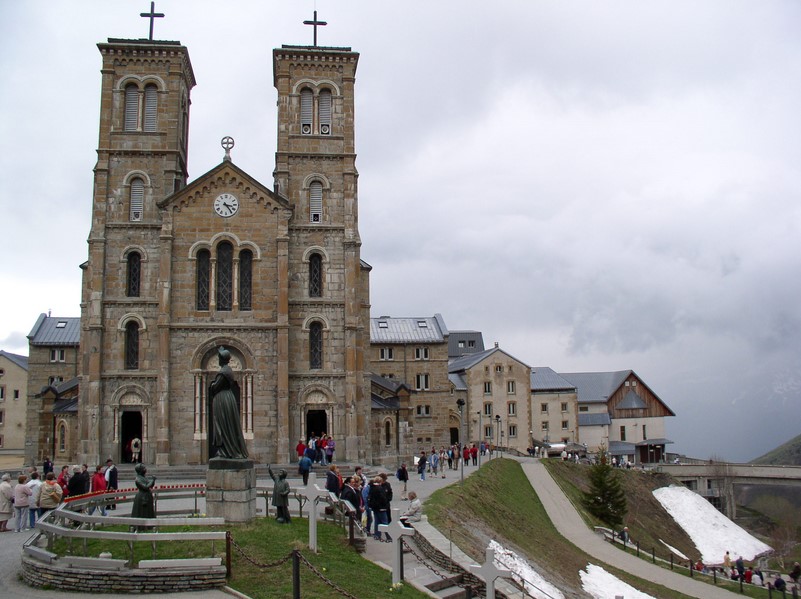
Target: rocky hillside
786 454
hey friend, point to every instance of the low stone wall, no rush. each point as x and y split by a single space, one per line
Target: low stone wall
164 580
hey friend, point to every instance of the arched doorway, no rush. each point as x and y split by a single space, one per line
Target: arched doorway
130 429
316 423
454 435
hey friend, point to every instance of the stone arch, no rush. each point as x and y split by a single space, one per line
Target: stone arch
315 249
134 174
126 318
141 82
311 178
316 86
205 356
133 248
316 318
131 395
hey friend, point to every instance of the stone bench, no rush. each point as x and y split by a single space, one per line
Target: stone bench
200 562
94 563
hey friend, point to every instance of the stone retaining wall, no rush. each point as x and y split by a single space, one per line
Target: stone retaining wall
164 580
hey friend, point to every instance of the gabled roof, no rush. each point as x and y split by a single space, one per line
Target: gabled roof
389 385
218 177
466 338
384 403
467 362
596 387
594 419
458 382
546 379
632 401
65 406
424 329
55 331
21 361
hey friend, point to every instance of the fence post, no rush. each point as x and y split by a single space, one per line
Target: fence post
295 574
228 554
351 531
691 568
714 575
671 561
653 555
638 549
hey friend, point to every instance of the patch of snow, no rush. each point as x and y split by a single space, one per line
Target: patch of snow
534 584
675 551
712 532
602 585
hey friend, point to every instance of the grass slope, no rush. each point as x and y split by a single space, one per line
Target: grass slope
787 454
497 502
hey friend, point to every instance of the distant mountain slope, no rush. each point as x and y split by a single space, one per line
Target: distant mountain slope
787 454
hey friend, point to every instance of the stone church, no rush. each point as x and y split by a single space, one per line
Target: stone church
177 268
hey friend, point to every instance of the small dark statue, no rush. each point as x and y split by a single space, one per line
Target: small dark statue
280 496
143 502
227 440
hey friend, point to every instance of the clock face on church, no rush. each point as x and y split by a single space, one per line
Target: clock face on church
226 205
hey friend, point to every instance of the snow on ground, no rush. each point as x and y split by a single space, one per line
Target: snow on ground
602 585
712 532
534 584
674 550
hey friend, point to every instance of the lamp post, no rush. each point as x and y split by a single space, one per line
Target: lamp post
498 437
460 404
480 436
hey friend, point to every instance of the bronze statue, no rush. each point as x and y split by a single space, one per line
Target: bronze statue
143 502
225 433
280 496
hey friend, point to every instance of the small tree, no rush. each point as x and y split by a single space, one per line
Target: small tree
605 500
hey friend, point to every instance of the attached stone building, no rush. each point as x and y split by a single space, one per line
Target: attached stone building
554 409
178 268
13 404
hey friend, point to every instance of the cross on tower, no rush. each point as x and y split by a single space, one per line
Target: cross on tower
315 22
155 15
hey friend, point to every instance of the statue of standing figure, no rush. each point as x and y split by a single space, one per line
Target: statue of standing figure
280 496
143 502
226 438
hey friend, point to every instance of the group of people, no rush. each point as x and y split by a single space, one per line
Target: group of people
320 450
434 462
32 497
738 570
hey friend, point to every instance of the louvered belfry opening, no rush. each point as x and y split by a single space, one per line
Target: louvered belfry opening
151 107
137 199
306 111
316 202
325 112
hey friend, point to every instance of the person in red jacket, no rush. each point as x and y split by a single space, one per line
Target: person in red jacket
98 483
474 454
466 455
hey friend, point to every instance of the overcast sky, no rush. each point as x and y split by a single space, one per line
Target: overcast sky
594 185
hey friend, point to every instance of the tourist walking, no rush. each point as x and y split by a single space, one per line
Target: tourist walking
22 499
6 505
50 495
403 477
421 465
35 485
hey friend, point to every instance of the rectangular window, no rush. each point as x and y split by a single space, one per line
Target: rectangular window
421 382
383 324
58 355
487 409
545 426
512 430
61 324
633 383
564 425
510 387
2 412
16 395
55 380
386 353
512 408
388 375
644 434
471 344
488 431
564 406
424 410
461 344
499 368
487 387
2 392
543 408
422 324
584 408
622 433
421 353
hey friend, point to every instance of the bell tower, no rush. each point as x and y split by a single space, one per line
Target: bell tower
141 159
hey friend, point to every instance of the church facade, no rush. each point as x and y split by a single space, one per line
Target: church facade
177 268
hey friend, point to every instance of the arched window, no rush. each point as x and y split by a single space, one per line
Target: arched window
387 433
134 274
225 276
306 111
315 275
324 108
131 107
316 202
203 274
316 345
151 107
137 200
245 280
62 437
132 345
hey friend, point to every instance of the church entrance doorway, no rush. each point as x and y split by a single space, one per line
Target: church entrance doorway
131 437
454 435
316 422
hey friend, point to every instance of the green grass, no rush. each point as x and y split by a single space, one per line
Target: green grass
265 542
497 502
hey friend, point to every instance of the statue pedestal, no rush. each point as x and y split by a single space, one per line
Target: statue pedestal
231 490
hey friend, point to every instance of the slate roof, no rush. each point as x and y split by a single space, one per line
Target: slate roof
594 419
457 380
632 401
50 331
621 448
596 387
65 406
21 361
546 379
465 337
384 403
466 362
424 329
391 385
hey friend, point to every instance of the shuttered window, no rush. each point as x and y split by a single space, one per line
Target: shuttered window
306 111
316 202
131 107
137 198
151 107
325 112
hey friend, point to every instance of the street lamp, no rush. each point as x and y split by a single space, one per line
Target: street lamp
480 436
460 403
498 422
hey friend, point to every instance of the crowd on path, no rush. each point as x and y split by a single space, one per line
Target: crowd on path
35 493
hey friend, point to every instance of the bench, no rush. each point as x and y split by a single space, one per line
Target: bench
43 555
199 562
94 563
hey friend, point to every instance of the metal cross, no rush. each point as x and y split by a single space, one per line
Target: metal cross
152 15
227 143
315 22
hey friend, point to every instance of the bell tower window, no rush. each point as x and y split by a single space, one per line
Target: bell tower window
316 202
225 276
306 111
134 274
324 107
245 280
137 199
131 107
315 346
132 345
315 275
203 274
151 107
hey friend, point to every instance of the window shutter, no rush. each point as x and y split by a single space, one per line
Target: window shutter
131 107
325 112
316 202
306 111
151 107
137 198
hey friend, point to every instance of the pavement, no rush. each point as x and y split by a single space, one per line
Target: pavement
562 513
